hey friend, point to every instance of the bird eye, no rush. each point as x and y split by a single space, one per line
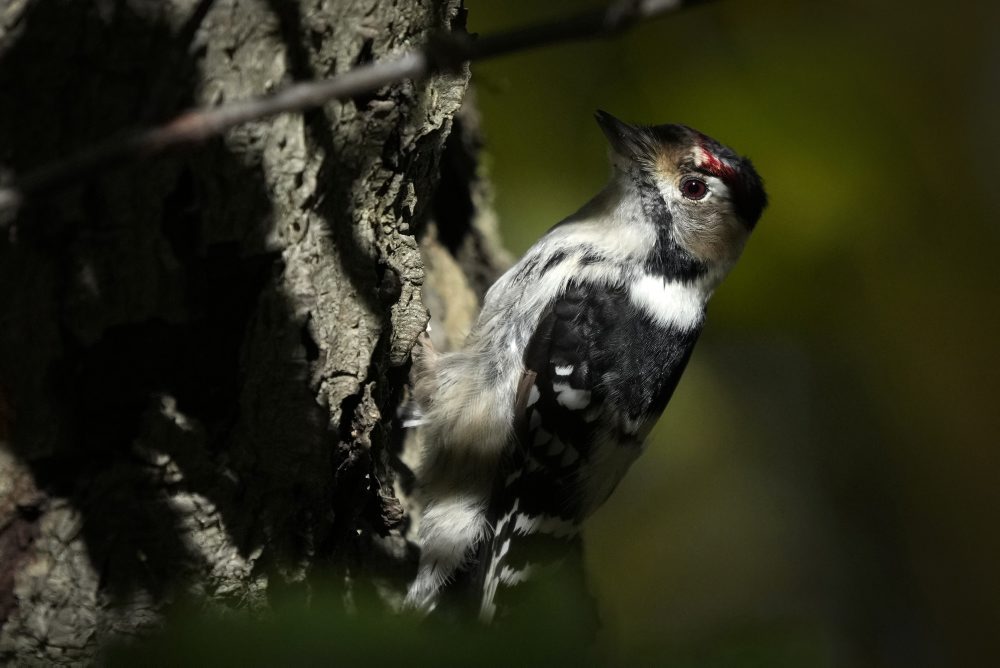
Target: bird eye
694 188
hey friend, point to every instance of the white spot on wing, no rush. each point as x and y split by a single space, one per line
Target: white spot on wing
488 609
564 370
573 398
525 524
670 303
504 549
506 518
547 524
509 576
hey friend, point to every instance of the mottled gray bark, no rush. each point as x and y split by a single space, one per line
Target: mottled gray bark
200 357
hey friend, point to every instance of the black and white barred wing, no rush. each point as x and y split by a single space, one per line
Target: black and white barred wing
561 401
599 370
543 494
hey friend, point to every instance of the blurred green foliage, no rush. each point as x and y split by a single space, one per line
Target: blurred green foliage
825 484
556 631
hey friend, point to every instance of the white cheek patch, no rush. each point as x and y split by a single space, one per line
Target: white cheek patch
670 303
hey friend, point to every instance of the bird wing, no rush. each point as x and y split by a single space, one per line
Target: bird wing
598 373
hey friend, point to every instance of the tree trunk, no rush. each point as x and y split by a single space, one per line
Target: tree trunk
201 357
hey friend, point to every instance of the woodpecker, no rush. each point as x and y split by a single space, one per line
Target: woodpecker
576 351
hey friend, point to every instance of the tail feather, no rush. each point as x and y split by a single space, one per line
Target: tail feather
450 530
525 548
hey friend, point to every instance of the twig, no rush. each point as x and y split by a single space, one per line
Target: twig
441 53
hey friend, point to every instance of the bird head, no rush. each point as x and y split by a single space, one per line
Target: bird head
710 197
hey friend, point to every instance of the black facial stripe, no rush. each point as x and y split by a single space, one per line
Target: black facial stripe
667 258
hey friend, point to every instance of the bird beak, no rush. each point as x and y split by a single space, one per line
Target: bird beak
626 140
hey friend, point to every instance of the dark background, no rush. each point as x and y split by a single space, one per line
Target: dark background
823 489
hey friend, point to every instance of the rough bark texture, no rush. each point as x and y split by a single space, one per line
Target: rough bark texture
200 357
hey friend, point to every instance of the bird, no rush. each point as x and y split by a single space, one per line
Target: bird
578 348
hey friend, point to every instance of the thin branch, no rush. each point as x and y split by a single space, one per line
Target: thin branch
443 52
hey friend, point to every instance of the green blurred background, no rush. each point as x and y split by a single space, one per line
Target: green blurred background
824 487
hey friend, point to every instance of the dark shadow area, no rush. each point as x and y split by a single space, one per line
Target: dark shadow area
879 610
453 206
135 328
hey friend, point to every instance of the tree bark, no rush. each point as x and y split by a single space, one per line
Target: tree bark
201 357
